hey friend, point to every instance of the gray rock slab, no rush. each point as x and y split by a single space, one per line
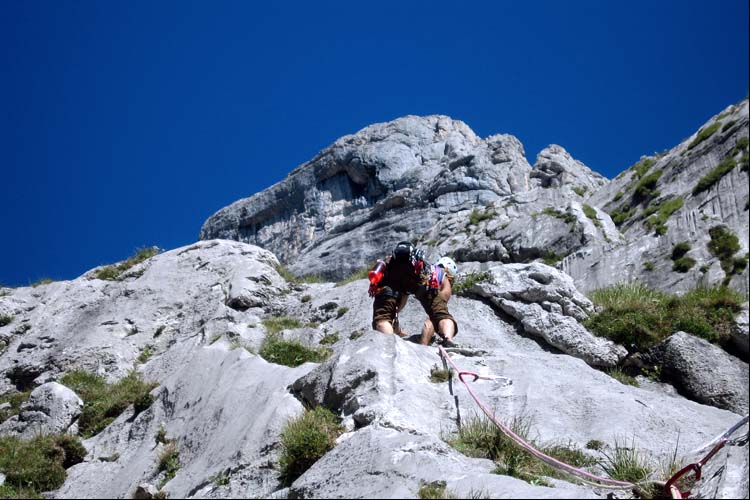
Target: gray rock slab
51 408
223 408
706 372
378 462
548 306
103 326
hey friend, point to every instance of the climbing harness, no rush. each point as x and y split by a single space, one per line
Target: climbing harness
585 476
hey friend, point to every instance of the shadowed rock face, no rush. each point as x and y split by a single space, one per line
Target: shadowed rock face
201 309
433 181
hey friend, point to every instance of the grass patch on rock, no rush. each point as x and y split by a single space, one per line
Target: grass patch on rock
565 216
704 134
277 324
104 402
290 352
330 338
645 189
590 212
714 175
626 463
16 399
37 465
639 317
662 210
114 272
479 437
440 375
724 244
467 281
169 462
305 439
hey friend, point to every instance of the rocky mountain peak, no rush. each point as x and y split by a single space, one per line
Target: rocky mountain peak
555 167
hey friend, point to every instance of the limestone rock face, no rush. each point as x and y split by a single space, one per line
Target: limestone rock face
388 181
706 373
377 459
205 310
51 408
555 167
677 172
431 180
547 305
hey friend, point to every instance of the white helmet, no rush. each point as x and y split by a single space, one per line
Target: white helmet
448 264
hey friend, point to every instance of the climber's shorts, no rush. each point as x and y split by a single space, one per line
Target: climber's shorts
386 306
436 308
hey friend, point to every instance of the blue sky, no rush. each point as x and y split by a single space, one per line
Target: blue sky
127 124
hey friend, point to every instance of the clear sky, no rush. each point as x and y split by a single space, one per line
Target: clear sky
125 124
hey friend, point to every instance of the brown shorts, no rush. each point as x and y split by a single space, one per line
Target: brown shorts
386 307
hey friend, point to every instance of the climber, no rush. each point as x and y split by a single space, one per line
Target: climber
445 270
402 274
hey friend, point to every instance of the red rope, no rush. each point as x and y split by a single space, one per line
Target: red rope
604 482
601 481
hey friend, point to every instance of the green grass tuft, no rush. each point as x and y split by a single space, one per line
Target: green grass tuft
622 377
37 465
590 212
305 439
169 462
680 249
330 338
42 282
434 490
476 216
704 134
15 399
103 402
643 166
646 187
114 271
568 218
291 352
551 258
480 438
467 281
639 317
728 125
663 210
439 375
145 354
724 244
683 264
595 445
621 215
6 319
714 175
277 324
626 464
